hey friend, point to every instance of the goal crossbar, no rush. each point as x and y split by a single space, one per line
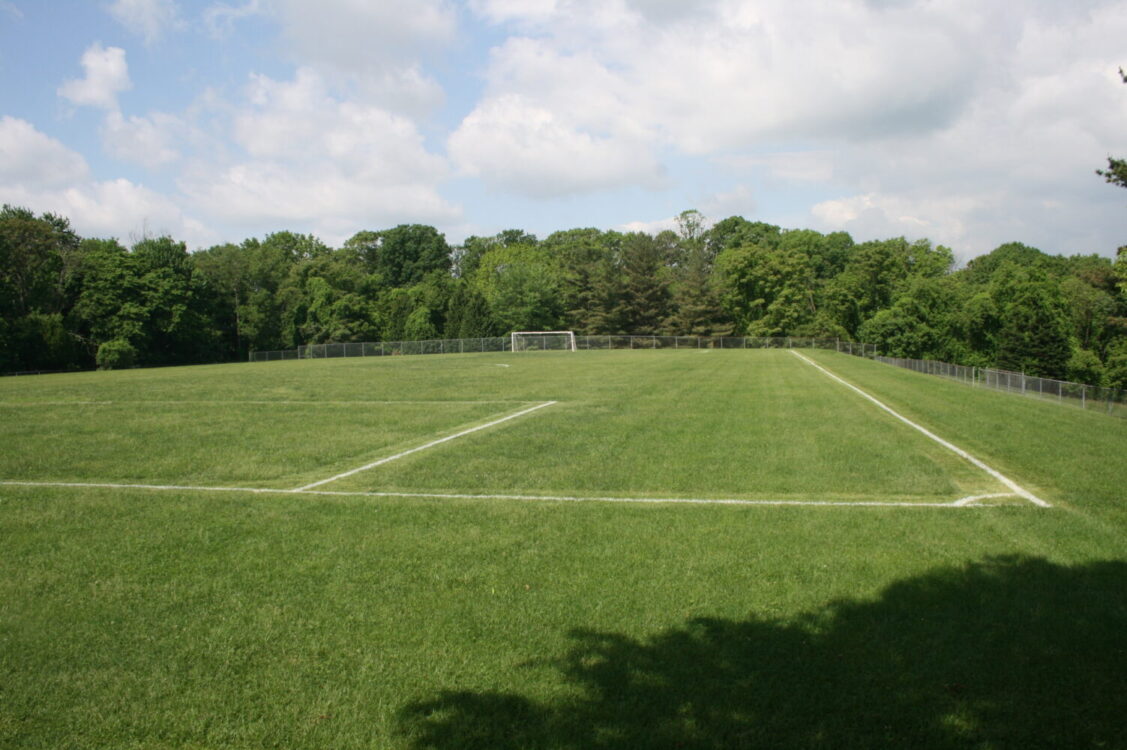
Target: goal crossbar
521 340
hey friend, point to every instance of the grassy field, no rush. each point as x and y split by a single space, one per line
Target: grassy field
142 618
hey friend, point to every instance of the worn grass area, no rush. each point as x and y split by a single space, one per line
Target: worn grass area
181 619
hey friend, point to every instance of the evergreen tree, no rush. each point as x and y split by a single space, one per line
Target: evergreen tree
645 301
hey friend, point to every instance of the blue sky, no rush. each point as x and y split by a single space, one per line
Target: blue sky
970 123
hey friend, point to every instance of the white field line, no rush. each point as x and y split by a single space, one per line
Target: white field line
254 402
973 499
1017 489
423 447
968 502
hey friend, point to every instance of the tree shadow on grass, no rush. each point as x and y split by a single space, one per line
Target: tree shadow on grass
1006 653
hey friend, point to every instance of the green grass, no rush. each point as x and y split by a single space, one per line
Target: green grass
183 619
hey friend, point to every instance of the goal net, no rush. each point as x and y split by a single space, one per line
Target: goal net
527 341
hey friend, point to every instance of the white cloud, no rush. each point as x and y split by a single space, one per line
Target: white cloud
32 160
221 18
42 174
360 35
320 161
148 140
146 18
299 121
595 91
812 166
107 75
525 11
654 227
739 201
372 50
515 144
111 207
959 121
144 140
1018 165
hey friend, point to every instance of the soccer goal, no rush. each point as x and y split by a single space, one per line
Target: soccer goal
527 341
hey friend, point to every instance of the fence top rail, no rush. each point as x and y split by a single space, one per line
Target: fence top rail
1010 380
585 340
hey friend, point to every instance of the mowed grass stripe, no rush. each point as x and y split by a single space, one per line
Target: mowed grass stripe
1041 442
975 501
426 446
251 445
236 620
738 424
1013 486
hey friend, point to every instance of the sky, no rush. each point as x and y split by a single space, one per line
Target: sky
970 123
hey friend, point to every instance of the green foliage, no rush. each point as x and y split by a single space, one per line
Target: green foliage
1033 335
116 354
1085 367
982 269
468 315
915 325
770 290
418 326
644 299
1121 269
736 231
406 254
697 306
61 297
520 284
37 256
1090 309
587 258
1115 372
1116 172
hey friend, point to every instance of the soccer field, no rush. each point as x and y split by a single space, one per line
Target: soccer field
707 426
595 549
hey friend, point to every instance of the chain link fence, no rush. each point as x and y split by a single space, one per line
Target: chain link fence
504 344
1111 401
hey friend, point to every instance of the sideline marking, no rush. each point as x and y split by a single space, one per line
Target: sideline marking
431 444
967 502
1017 489
258 402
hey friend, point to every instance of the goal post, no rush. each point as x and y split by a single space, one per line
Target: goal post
525 341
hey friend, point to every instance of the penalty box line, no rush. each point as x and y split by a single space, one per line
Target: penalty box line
966 502
425 446
1014 486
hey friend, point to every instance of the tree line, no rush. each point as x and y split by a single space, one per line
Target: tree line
68 302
